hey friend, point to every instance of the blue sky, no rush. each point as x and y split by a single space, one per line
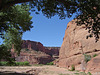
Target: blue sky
49 32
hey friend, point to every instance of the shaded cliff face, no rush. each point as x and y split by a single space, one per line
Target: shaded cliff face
32 45
74 44
52 50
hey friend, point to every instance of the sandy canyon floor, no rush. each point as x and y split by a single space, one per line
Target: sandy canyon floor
35 70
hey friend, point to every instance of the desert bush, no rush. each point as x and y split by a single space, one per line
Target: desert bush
94 55
87 57
51 63
89 73
26 63
72 68
5 63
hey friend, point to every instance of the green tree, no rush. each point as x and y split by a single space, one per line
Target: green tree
13 22
17 16
4 53
13 38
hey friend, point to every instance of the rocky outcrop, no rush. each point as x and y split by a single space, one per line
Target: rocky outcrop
32 45
35 53
34 57
75 44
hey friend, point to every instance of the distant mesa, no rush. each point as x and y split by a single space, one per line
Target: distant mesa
32 45
36 53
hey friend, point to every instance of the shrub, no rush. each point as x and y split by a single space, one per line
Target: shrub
94 55
5 63
26 63
26 49
89 73
11 63
72 68
19 64
51 63
87 57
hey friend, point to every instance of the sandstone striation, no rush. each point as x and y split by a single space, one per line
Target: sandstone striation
75 44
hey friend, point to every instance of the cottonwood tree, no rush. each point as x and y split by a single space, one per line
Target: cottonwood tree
13 22
13 38
17 16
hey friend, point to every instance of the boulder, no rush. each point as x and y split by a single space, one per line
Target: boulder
75 44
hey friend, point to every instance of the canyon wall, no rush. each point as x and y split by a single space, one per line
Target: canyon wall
32 45
36 53
75 44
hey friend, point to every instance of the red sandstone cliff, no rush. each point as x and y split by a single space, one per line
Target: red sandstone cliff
34 57
74 42
32 45
36 53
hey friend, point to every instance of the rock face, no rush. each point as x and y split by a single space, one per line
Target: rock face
34 57
52 50
32 45
74 44
94 65
35 53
